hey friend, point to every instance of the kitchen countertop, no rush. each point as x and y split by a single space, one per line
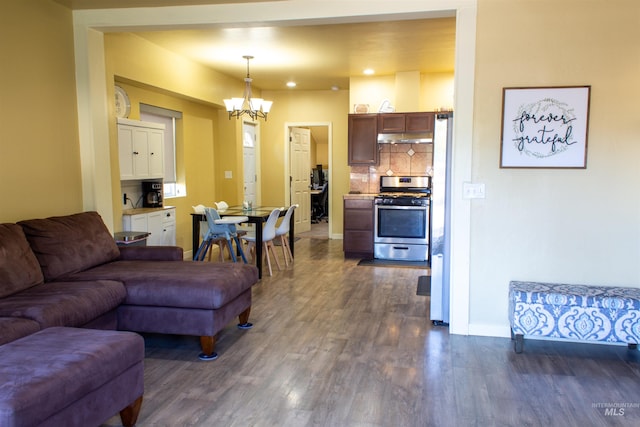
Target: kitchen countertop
128 237
362 196
136 211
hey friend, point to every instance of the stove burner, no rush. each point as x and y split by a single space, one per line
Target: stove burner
404 191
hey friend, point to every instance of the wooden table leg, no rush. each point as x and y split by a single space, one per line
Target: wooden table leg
259 248
195 237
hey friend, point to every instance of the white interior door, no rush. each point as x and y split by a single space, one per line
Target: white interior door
299 146
249 143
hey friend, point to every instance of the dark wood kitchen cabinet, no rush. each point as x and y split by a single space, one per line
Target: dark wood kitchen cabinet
358 228
405 122
363 139
391 122
419 122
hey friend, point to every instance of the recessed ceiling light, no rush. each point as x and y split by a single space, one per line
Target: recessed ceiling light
368 71
291 84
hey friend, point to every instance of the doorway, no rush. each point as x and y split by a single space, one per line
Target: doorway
249 149
300 175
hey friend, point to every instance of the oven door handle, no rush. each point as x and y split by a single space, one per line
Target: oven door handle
403 248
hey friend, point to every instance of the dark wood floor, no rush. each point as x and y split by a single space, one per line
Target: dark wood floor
336 344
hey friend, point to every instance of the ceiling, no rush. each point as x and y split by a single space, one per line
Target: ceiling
316 57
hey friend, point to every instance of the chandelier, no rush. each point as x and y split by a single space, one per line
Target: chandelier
253 107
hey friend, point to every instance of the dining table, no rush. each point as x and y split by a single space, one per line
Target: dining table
257 215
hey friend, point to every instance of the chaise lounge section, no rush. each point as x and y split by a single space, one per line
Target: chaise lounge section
163 293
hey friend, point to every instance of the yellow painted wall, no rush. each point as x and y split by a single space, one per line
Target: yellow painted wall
434 90
229 157
207 142
313 152
195 148
39 148
571 226
321 155
305 106
371 91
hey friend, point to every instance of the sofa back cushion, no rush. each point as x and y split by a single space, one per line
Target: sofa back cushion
19 268
69 244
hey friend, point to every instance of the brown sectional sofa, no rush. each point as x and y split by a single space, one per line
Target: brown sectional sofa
67 271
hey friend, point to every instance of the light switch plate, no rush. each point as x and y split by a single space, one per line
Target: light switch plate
228 174
472 190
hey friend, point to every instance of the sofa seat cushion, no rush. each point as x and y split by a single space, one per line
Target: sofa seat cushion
19 268
45 372
68 244
64 303
183 284
12 328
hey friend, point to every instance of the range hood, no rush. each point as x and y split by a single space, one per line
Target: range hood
405 138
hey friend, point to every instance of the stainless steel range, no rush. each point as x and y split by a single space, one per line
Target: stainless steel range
401 221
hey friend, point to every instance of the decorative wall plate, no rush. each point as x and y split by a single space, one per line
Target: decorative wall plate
361 108
123 106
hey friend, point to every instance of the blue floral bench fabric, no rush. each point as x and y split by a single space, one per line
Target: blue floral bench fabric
575 312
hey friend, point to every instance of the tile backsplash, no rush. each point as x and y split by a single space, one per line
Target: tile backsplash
395 159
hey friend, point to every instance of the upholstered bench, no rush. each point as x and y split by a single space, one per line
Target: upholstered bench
574 312
71 377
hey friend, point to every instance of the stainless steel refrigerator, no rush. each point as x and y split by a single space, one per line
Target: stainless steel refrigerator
440 219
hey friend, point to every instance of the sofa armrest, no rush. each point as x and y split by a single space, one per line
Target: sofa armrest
151 253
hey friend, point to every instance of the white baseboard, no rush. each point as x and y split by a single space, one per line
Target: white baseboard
490 330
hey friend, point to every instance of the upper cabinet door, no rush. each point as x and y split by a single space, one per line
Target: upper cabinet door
363 139
141 153
140 149
391 123
156 153
125 151
405 122
419 122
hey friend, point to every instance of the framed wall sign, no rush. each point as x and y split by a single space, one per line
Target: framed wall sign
545 127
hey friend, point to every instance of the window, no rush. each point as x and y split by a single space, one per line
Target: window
150 113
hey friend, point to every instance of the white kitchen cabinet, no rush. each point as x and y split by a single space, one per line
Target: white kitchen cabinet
137 222
168 227
140 149
160 223
154 221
